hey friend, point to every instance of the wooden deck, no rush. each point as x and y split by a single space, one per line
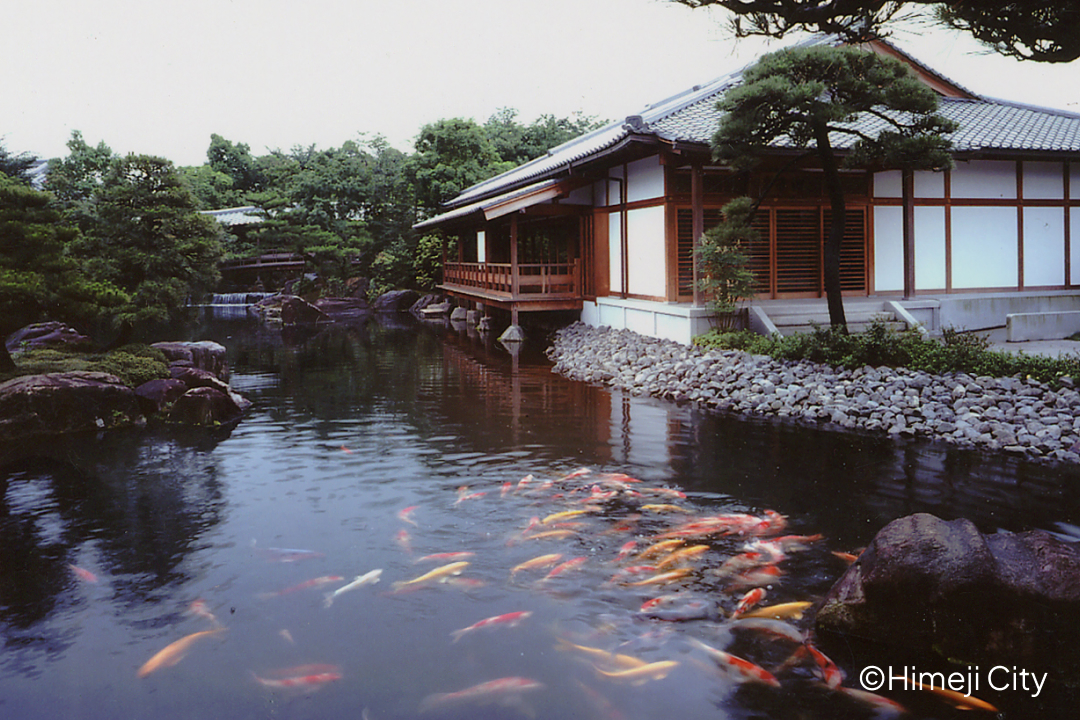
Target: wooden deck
524 287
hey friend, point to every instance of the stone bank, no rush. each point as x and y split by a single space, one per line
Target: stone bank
1012 414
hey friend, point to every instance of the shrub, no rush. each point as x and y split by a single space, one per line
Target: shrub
133 364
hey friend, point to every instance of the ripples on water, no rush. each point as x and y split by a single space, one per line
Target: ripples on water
349 427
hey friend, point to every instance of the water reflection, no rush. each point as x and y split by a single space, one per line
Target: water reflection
349 426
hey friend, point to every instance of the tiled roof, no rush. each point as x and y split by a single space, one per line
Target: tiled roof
691 117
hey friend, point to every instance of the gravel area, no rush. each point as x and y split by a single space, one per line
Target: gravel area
1013 414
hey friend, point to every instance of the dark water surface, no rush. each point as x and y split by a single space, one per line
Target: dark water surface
349 427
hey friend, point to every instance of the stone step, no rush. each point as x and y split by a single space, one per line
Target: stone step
853 327
822 318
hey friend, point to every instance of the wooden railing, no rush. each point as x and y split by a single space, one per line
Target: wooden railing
526 281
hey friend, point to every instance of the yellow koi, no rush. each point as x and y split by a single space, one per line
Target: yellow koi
783 611
665 507
549 534
660 547
541 561
609 659
682 555
956 699
439 573
563 516
174 652
663 578
639 675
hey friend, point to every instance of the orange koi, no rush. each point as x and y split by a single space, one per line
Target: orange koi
795 543
551 534
744 669
576 474
669 492
625 550
174 652
504 690
84 575
748 601
568 565
565 514
540 561
682 555
314 582
405 515
956 699
658 548
663 578
524 483
883 707
847 557
346 450
508 620
303 676
445 556
783 611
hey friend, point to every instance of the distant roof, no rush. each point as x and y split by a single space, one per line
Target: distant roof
691 118
246 215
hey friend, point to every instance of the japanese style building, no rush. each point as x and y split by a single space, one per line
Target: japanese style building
606 224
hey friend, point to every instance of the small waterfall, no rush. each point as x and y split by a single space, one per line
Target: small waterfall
239 298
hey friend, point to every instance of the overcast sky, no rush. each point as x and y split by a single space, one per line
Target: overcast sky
159 78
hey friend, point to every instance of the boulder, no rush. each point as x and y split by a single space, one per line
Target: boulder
358 287
427 301
57 403
195 378
340 309
157 394
47 334
204 355
297 311
204 406
396 300
934 586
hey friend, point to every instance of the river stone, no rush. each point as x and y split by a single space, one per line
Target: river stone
195 378
155 395
297 311
57 403
341 309
204 355
204 406
934 586
396 300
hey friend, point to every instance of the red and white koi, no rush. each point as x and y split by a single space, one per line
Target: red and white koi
749 600
201 609
464 494
83 574
369 578
744 670
301 677
564 567
405 515
509 620
503 690
796 543
756 577
830 673
404 540
627 548
314 582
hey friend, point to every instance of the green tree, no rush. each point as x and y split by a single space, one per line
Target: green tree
812 95
17 166
1028 30
74 180
213 190
38 279
516 143
148 239
235 160
722 253
452 155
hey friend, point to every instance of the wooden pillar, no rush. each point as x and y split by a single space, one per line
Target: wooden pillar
514 257
907 182
697 212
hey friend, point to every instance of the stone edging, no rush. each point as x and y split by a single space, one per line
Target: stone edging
1015 415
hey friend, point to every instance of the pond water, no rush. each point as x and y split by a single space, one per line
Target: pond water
374 446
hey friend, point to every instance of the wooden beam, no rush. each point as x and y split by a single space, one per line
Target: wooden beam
697 210
907 191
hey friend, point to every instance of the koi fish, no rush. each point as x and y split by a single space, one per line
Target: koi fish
84 575
659 547
681 555
540 561
507 620
669 492
830 673
583 471
743 669
624 551
565 514
285 555
314 582
346 450
445 556
404 540
956 699
756 577
769 626
608 659
507 487
503 690
200 608
783 611
302 676
883 707
846 557
369 578
748 601
639 675
665 507
795 543
524 483
568 565
436 575
174 652
663 578
405 515
286 636
464 494
551 534
656 601
632 570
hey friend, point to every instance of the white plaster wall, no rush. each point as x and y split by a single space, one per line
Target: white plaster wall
1074 245
645 179
888 184
646 254
984 179
1043 180
929 184
984 247
641 322
581 196
929 248
615 252
888 248
481 246
1074 180
1044 245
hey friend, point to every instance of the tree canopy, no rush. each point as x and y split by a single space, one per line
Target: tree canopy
1028 29
811 96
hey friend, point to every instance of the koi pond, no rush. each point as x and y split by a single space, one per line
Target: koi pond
412 523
